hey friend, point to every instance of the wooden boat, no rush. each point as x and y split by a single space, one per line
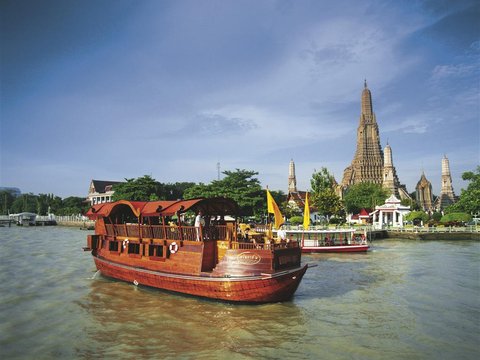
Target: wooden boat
329 241
135 242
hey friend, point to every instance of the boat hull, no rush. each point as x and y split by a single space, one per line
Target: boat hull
336 249
248 289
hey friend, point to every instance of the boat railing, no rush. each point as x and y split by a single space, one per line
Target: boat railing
262 228
167 232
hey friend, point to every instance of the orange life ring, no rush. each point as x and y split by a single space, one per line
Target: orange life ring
173 247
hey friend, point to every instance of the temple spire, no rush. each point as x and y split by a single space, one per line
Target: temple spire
367 108
292 180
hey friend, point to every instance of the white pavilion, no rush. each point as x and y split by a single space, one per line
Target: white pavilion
389 214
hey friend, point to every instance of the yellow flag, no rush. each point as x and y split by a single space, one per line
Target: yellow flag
272 208
306 214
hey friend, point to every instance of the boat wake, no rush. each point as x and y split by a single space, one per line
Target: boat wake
94 275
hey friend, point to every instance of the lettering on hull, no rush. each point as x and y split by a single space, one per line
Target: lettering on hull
247 258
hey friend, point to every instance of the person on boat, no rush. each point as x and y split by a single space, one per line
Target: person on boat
282 234
199 222
246 232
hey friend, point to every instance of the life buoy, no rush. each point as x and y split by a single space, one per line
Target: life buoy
173 247
125 243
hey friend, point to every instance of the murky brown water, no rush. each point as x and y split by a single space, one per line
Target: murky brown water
403 300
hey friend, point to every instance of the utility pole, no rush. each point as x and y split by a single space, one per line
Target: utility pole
218 171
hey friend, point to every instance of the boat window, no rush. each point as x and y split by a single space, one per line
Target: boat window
133 248
155 250
113 246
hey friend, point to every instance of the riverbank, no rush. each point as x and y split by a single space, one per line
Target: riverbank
455 235
82 224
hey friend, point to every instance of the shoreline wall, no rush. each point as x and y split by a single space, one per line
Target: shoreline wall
88 224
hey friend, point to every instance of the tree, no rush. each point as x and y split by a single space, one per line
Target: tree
239 185
410 202
296 220
436 216
364 196
322 180
417 216
288 209
73 205
24 203
323 196
455 218
6 201
174 191
469 201
42 204
141 189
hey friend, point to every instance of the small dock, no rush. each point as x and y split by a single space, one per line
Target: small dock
27 219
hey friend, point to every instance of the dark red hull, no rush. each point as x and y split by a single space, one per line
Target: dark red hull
336 249
249 289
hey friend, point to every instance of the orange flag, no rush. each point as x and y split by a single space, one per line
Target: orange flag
306 214
272 208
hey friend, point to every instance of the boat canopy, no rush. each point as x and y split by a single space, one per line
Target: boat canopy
211 206
106 209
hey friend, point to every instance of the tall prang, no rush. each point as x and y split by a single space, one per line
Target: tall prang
390 178
370 164
367 164
295 198
292 180
447 196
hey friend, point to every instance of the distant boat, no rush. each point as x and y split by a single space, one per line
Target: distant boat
329 240
149 243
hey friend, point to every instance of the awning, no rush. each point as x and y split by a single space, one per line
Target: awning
213 206
154 208
105 209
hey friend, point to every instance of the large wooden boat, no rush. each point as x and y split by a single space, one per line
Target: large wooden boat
329 240
150 243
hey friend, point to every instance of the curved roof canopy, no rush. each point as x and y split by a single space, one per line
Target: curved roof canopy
212 206
106 209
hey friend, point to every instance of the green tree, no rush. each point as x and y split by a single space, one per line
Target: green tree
417 216
455 218
141 189
6 201
289 210
410 202
24 203
323 195
73 205
364 195
296 220
55 203
469 200
174 191
239 185
436 216
42 204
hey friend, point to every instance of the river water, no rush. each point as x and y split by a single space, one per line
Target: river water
404 299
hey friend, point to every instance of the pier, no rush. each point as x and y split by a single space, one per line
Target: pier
27 219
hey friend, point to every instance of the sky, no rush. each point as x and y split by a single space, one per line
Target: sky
114 90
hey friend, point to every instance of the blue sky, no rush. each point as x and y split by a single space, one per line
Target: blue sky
119 89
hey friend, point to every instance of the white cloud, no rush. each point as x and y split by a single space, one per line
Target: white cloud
441 72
